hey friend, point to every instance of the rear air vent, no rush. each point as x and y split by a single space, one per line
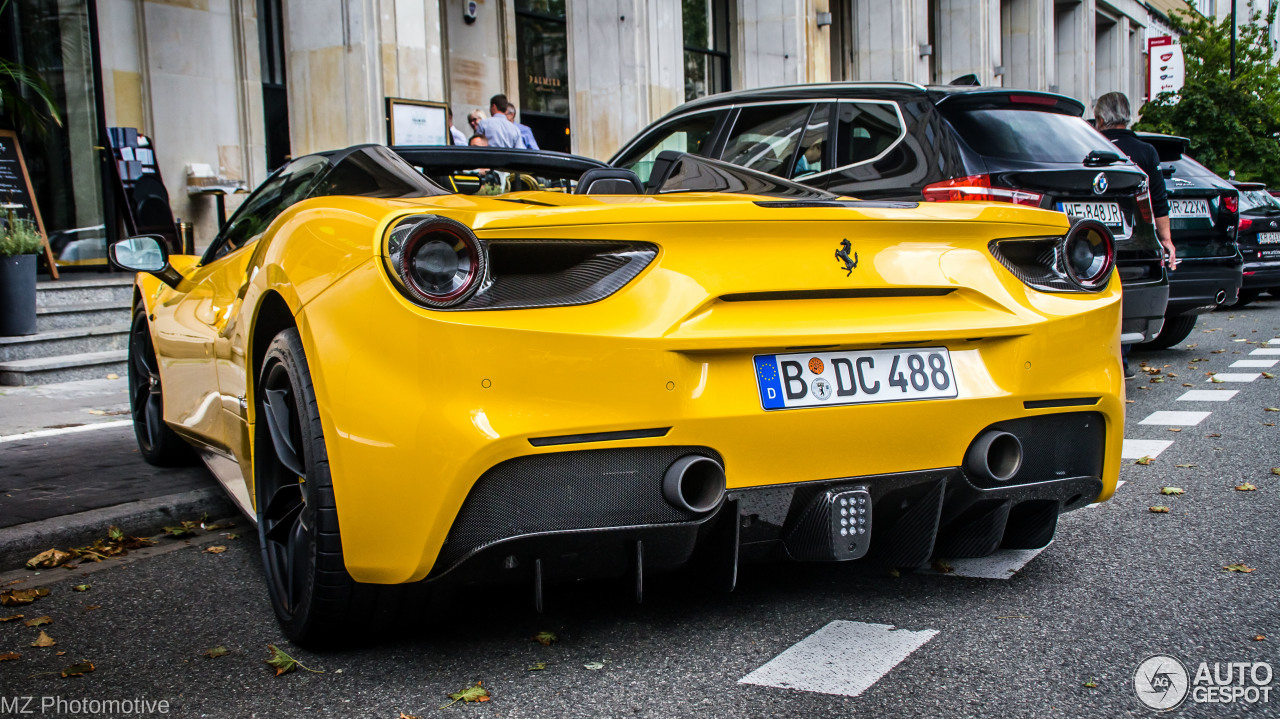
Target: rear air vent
857 293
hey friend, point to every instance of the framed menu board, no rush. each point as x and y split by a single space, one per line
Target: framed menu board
15 189
416 122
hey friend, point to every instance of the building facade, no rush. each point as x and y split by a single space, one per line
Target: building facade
234 87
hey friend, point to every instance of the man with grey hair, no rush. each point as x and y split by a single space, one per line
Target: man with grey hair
1111 117
526 133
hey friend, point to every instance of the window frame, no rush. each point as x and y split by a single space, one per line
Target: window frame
714 136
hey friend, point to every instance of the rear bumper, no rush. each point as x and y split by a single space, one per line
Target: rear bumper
1200 285
1145 304
601 513
1261 275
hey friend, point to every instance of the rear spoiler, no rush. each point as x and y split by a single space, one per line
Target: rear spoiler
1170 147
1248 186
998 98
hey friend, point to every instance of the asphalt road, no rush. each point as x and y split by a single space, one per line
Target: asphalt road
1118 584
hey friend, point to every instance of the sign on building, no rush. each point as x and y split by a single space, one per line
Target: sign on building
1166 70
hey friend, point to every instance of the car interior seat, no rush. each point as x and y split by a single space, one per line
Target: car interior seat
609 181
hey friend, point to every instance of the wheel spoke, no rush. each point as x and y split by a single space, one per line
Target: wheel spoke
152 411
277 414
282 512
298 560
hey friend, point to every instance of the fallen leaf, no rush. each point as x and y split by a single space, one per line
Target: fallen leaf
538 666
593 666
216 652
1144 387
1241 567
1150 370
1274 470
545 638
1215 380
893 572
44 640
1268 424
114 533
1268 375
77 670
1159 510
217 525
1217 352
408 716
1144 461
1184 466
1246 487
1213 434
1187 384
181 530
1171 490
48 559
1259 638
1091 684
476 693
111 376
39 621
215 550
11 617
283 663
16 597
9 656
941 566
59 654
92 607
1271 409
80 588
1175 429
233 535
1157 379
97 412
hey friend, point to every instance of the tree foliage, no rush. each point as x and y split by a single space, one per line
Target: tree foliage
1233 124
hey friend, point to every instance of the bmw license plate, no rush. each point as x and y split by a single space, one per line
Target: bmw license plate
820 379
1108 213
1268 238
1182 209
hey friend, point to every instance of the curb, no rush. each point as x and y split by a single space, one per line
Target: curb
142 518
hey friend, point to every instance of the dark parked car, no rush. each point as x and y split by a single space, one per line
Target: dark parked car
1259 240
901 141
1203 214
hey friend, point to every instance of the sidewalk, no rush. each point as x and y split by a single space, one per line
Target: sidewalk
69 467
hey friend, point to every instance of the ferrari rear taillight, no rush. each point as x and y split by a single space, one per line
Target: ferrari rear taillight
435 260
978 188
1082 260
1090 254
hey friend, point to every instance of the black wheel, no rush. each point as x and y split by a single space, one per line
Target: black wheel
157 443
1247 296
315 599
1175 330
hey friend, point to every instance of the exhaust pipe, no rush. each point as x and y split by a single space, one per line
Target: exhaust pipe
995 455
694 483
1220 297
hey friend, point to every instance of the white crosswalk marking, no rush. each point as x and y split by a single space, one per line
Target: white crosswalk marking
1185 419
1275 341
1208 395
843 658
1262 364
1139 448
1265 351
1002 564
1233 377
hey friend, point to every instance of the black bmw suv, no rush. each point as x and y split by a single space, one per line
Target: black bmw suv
903 141
1204 212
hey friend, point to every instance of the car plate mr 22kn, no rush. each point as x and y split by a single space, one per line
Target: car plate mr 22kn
818 379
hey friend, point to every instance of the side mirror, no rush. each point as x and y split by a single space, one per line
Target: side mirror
145 253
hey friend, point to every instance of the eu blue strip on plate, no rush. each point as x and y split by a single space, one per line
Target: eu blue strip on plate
769 384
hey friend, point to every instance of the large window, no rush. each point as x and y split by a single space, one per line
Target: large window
542 58
687 134
275 92
706 47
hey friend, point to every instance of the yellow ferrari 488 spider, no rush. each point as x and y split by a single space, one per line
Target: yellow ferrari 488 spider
407 386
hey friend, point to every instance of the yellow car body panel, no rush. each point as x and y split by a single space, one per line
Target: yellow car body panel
416 404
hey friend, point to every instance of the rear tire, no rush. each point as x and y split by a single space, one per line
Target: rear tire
157 443
1175 330
1247 296
316 601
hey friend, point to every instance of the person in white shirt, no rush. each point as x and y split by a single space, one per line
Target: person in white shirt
497 129
454 133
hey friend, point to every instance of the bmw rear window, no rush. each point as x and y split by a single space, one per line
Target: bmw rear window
1028 135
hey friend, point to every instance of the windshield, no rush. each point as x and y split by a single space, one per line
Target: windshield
1258 201
1029 135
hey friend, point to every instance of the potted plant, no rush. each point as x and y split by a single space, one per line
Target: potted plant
19 244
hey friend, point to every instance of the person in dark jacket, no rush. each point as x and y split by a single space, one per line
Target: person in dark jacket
1112 116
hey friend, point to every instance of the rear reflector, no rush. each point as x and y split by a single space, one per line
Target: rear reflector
978 188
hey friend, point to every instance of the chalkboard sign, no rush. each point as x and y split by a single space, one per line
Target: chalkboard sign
15 188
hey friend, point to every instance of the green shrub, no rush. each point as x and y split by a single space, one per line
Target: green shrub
21 238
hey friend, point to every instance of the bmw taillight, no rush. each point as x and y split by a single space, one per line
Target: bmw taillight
978 188
1245 223
1231 203
1143 200
1080 261
439 262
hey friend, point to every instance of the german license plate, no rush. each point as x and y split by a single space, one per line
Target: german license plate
1268 238
1108 213
821 379
1180 209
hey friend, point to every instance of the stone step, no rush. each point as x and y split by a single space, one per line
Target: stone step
61 317
64 368
69 341
109 289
